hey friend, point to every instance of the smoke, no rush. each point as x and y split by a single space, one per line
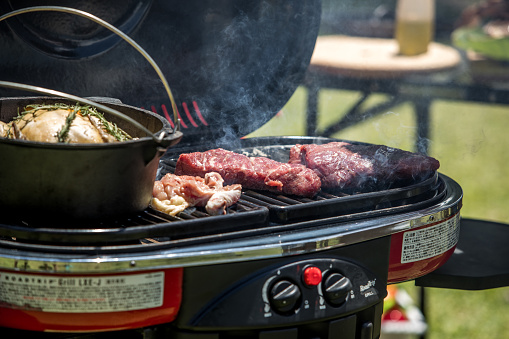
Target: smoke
254 58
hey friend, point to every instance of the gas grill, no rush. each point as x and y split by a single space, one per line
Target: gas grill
273 265
262 247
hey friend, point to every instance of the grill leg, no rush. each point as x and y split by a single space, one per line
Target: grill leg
422 306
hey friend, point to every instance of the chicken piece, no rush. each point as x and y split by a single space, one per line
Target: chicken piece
173 193
4 129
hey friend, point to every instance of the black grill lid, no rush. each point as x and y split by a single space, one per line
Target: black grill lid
227 62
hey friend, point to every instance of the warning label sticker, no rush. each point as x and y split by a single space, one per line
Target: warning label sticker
430 241
83 294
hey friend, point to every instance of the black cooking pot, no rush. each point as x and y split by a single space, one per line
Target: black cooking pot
47 181
232 64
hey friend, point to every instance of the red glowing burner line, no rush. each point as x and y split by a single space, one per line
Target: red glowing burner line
189 115
199 113
165 111
182 123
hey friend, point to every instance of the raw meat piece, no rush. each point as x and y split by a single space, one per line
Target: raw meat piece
258 173
341 165
173 193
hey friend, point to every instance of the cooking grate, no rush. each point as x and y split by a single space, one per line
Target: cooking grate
287 209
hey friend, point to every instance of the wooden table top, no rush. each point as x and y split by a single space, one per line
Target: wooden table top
377 58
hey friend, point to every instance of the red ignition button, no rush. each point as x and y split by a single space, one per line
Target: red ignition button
312 276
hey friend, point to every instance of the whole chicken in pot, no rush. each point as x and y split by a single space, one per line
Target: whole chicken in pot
62 123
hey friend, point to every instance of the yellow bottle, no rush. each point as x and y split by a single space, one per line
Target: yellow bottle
414 26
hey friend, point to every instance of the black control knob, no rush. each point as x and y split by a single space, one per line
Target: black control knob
285 296
336 288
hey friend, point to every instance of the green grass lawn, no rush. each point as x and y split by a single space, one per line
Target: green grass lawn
471 141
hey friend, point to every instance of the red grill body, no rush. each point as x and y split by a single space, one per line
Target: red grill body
86 320
208 266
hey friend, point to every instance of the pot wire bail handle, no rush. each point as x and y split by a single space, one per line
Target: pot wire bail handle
114 30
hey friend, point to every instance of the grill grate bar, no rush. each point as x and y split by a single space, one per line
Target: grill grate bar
264 199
